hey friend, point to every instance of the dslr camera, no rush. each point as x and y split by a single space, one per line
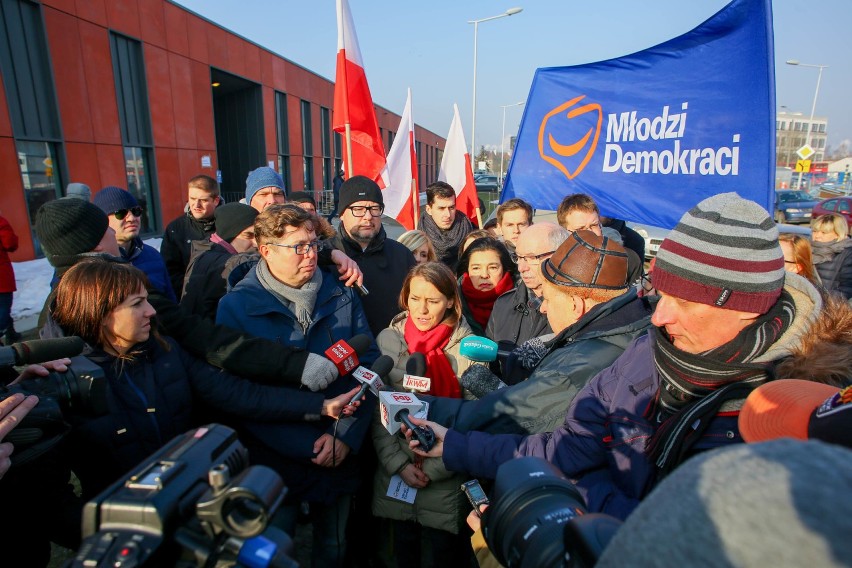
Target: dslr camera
194 502
537 518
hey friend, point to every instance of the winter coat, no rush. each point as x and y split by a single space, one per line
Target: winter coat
337 315
147 259
576 355
150 400
8 243
385 264
513 320
833 262
601 444
253 357
177 245
205 282
439 505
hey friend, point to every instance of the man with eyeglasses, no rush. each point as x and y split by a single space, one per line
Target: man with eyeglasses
197 223
578 212
362 237
125 218
515 317
287 297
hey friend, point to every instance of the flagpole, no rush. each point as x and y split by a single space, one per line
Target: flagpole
348 136
415 201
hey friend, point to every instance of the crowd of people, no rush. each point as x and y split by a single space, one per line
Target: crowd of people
620 376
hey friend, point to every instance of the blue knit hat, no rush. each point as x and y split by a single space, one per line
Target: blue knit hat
262 177
111 199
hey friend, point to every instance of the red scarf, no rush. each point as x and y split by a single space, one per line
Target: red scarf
481 302
431 343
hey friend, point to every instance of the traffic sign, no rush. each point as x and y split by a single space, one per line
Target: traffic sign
805 152
803 166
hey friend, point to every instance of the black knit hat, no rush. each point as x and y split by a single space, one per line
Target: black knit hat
233 218
301 197
111 199
69 226
359 188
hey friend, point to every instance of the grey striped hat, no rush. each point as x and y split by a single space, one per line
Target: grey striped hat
724 252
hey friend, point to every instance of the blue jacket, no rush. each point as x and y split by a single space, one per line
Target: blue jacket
601 443
148 260
337 315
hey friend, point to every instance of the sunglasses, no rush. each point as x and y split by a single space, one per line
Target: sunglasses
122 213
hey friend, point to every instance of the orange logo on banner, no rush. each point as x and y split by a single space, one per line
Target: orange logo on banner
565 155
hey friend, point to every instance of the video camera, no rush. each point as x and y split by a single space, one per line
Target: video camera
81 389
194 502
537 518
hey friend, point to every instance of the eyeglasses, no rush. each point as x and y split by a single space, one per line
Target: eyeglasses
122 213
529 258
647 283
360 210
301 248
590 227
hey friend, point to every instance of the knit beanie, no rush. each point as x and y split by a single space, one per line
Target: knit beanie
724 252
111 199
258 179
69 226
232 219
359 188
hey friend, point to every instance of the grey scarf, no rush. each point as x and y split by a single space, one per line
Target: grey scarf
298 300
825 252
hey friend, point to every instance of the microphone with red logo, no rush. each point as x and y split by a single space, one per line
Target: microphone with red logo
371 379
395 409
414 379
345 355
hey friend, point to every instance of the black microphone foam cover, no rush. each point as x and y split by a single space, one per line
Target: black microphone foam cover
360 343
416 364
382 366
41 350
480 381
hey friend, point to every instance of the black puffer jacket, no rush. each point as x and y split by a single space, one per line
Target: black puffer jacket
576 355
833 262
385 263
176 247
205 283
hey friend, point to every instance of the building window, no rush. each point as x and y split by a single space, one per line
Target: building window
283 138
131 91
39 172
137 166
338 152
307 145
325 134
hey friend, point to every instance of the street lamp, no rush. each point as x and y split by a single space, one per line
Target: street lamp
509 12
503 137
813 106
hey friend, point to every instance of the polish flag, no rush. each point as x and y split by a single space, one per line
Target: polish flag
400 195
456 171
354 113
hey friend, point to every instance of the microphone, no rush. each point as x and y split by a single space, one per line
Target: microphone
372 379
480 381
40 350
396 408
415 369
345 355
481 349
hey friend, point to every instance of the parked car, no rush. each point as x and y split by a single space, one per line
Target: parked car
793 206
838 205
486 182
653 238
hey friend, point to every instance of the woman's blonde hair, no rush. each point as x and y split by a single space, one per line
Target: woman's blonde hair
831 223
415 239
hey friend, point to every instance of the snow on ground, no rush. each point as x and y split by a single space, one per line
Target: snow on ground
33 279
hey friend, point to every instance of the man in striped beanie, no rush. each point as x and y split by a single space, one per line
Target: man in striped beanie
727 313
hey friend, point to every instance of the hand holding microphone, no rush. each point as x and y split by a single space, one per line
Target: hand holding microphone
396 409
342 358
372 379
434 443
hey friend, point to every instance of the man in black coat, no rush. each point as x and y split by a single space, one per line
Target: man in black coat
196 224
362 237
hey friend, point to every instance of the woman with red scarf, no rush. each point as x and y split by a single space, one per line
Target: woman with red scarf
486 271
421 498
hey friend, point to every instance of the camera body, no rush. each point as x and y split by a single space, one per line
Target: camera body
194 502
80 389
537 518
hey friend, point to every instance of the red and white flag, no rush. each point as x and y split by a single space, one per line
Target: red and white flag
354 113
400 195
456 170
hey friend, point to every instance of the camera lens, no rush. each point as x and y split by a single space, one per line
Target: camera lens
530 506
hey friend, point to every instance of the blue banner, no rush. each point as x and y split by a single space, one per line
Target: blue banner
651 134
